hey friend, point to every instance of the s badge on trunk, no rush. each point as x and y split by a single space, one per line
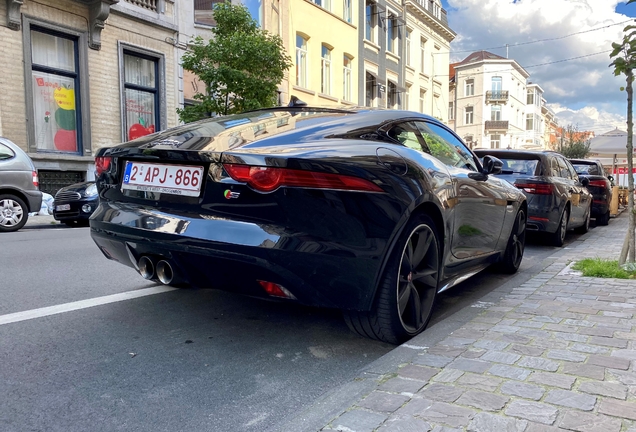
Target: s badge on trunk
228 194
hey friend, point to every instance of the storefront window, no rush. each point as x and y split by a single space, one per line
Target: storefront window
55 81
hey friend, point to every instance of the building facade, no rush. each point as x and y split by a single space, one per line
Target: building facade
88 74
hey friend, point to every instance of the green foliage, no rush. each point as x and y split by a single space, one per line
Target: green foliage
241 65
603 268
574 144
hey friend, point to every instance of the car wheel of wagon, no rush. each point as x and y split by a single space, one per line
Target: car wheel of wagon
407 289
516 244
13 213
586 226
558 237
603 220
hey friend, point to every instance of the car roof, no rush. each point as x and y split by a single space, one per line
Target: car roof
21 157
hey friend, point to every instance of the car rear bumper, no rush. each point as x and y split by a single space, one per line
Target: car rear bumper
234 255
34 200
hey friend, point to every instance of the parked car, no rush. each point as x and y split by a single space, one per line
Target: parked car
557 199
600 186
76 203
19 193
370 211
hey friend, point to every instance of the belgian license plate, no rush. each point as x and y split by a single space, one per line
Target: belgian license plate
63 207
170 179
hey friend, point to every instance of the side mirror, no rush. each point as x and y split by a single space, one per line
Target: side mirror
585 181
492 165
610 178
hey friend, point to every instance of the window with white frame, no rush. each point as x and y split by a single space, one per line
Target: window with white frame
529 122
407 48
325 70
55 85
141 92
407 98
495 112
468 115
495 141
301 61
392 34
451 111
346 91
469 87
346 13
422 54
530 97
325 4
371 20
422 99
370 88
436 8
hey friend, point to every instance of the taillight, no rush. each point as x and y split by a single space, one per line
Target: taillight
267 179
36 180
102 164
599 183
536 188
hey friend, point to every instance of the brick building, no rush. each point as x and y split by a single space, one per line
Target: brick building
82 74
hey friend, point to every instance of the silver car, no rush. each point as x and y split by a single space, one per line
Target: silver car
19 193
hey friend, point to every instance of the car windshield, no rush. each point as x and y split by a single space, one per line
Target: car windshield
586 169
519 166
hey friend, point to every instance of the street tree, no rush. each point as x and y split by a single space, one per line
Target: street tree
574 144
624 63
241 65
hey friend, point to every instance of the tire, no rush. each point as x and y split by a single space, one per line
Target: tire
13 213
557 238
603 220
513 254
407 289
586 226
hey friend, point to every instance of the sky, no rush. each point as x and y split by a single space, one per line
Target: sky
563 44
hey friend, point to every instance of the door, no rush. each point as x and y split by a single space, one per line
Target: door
572 190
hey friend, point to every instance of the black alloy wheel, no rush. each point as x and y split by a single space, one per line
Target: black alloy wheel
513 254
586 225
558 237
408 287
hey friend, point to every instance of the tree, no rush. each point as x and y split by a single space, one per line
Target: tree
574 144
624 55
241 66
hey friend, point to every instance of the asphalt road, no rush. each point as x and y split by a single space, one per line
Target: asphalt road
176 360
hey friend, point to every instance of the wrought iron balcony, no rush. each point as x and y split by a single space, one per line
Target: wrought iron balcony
497 96
494 125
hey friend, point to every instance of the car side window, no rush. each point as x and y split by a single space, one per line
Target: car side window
5 152
563 168
573 174
408 135
444 146
555 171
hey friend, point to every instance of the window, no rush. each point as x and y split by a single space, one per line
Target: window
346 93
301 61
392 98
370 89
203 11
496 85
407 102
391 34
564 171
530 97
408 135
437 11
325 4
495 141
422 100
451 111
442 144
422 54
469 87
325 70
6 152
495 112
529 122
407 48
56 99
141 92
468 118
346 14
371 18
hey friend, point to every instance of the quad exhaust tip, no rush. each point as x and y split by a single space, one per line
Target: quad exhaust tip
146 267
165 273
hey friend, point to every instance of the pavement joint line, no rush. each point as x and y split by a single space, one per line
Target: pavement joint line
81 304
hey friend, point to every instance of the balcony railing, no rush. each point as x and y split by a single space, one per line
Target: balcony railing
497 96
150 5
496 125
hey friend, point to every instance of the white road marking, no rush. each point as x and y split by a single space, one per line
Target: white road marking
82 304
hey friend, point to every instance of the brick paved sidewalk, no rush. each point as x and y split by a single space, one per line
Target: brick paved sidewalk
557 353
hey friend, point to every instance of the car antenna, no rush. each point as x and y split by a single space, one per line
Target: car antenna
295 102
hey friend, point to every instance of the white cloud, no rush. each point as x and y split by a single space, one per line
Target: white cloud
586 84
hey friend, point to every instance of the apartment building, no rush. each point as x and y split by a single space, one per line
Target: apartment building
82 74
488 98
535 121
427 41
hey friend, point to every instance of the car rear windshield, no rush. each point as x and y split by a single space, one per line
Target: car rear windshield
519 166
586 169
